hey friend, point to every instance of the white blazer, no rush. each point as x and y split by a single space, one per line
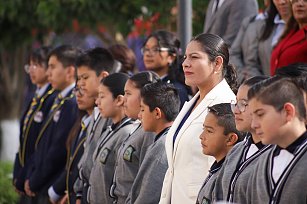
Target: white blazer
188 166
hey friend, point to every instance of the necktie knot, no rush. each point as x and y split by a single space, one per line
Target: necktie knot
57 101
83 126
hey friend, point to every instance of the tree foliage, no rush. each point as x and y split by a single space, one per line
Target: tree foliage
24 22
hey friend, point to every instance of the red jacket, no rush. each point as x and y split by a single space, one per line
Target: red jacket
292 49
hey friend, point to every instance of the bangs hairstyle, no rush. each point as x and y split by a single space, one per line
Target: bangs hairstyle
164 96
277 91
40 56
97 59
143 78
225 119
115 83
66 54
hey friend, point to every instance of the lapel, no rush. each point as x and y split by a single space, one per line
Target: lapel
212 16
196 112
293 38
209 16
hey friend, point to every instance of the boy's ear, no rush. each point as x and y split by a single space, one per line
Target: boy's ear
103 74
232 139
290 111
158 113
71 72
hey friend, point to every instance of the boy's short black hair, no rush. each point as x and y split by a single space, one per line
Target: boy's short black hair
277 91
225 119
297 72
164 96
98 59
253 80
40 56
66 54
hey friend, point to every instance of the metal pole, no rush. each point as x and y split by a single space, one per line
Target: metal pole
184 22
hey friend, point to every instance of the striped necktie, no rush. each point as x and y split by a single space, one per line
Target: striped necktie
57 102
30 111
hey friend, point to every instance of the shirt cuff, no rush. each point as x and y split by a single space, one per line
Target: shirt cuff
53 195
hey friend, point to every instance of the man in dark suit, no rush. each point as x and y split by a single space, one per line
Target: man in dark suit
224 17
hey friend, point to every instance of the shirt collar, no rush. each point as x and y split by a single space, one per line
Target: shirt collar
163 132
216 166
278 20
67 90
40 91
292 148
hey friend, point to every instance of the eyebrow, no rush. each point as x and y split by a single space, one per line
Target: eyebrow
256 111
210 127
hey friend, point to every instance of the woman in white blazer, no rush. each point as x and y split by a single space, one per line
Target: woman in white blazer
205 66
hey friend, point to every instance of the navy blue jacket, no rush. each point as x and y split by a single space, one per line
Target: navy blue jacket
50 155
28 135
70 174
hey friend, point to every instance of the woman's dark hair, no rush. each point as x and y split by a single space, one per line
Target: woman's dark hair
143 78
292 24
215 46
125 56
115 83
169 40
40 55
269 21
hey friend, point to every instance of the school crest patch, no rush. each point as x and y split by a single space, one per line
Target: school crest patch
104 155
38 117
128 153
205 201
56 116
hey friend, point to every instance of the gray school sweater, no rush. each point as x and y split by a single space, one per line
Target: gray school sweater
206 193
96 127
148 183
231 183
129 158
104 161
291 186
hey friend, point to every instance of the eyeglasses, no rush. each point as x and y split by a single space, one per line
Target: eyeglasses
78 90
240 105
27 68
154 50
295 1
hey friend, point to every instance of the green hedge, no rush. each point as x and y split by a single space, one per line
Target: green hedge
7 192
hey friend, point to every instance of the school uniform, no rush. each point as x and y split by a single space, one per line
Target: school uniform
50 155
68 177
104 159
280 175
129 158
184 176
30 125
206 193
147 185
96 127
231 184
